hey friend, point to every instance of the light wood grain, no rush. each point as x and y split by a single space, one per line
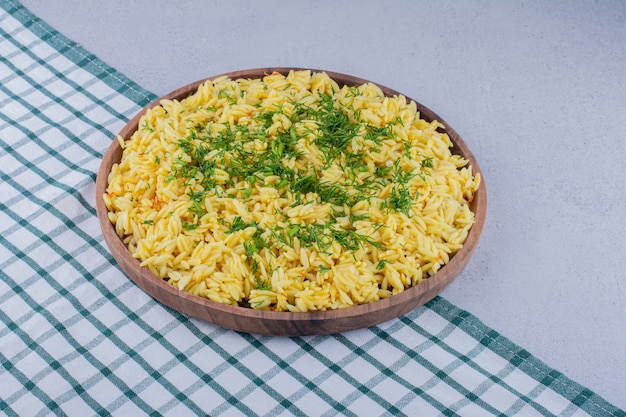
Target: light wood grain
287 323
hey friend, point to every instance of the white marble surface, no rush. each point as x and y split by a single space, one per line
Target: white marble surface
537 89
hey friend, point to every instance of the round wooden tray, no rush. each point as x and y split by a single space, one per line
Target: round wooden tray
287 323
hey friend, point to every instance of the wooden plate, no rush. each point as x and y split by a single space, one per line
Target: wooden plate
287 323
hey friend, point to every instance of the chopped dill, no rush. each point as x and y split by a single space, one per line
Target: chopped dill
146 126
219 156
381 264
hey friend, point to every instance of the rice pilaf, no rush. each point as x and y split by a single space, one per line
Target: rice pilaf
290 193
